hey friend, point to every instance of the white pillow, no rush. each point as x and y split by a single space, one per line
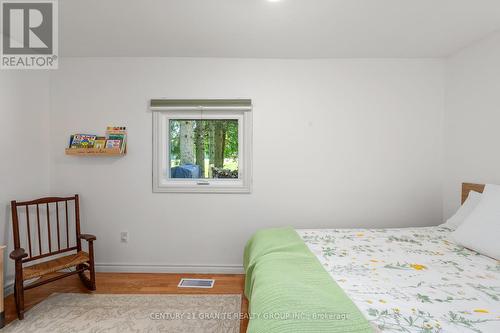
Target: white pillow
481 229
464 211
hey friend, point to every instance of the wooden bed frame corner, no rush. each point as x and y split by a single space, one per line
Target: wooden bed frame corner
467 187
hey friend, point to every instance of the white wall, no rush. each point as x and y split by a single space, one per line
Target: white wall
472 119
24 148
337 143
373 130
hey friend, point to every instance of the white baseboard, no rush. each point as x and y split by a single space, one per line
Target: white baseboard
165 268
153 268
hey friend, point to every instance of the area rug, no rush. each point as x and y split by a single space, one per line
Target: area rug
93 313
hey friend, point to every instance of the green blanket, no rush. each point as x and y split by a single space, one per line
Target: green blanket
290 291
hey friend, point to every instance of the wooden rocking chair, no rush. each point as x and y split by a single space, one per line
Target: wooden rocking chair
75 263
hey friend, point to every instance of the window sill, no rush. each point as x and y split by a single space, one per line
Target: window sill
202 189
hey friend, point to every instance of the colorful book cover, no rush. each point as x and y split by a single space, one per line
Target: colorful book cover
117 133
111 131
83 141
113 144
87 141
116 129
116 136
100 142
75 141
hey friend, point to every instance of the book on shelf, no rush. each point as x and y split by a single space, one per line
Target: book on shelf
83 141
113 144
100 142
115 138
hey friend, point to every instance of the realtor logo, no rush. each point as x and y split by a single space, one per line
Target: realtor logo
29 34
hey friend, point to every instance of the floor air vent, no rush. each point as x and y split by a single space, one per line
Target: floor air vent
196 283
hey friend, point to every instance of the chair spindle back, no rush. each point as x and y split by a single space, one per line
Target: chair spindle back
54 242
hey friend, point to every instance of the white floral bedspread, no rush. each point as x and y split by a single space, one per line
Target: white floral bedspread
412 279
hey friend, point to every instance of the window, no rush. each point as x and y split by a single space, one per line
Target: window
202 146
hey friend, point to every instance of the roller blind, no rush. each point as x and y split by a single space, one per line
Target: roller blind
201 104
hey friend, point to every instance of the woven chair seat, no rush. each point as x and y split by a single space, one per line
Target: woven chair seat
55 265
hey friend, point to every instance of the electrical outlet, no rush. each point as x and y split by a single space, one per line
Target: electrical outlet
124 236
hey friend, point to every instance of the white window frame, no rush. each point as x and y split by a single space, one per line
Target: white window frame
161 162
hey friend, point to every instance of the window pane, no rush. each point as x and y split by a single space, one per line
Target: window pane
203 149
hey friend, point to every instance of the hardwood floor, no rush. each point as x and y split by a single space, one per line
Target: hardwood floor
133 283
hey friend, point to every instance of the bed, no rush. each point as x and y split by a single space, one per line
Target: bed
369 280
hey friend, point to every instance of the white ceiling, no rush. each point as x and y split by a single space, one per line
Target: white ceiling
284 29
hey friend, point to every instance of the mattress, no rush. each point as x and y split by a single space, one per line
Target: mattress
411 279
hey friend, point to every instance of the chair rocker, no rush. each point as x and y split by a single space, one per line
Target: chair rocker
61 242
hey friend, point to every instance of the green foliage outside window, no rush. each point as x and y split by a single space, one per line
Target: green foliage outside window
212 145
